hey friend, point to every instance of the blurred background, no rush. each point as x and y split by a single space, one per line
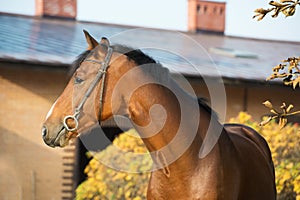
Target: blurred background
39 39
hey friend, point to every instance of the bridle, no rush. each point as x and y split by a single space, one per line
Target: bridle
101 74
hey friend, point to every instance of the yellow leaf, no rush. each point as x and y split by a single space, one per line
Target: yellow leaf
282 122
265 121
291 106
128 177
268 104
274 111
296 82
127 194
274 3
290 166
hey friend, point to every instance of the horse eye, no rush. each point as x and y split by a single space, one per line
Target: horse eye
78 80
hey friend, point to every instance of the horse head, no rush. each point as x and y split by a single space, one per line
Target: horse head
87 98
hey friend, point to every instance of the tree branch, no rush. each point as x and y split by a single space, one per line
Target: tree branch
286 7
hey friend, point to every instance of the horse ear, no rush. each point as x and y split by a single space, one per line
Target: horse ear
104 41
90 40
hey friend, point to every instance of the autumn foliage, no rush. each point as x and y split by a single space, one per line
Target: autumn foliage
283 143
105 183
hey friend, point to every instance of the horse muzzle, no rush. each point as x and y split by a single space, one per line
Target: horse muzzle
60 139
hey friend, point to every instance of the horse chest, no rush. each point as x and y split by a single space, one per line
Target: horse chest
193 187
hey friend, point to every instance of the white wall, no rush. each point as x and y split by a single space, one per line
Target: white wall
239 22
22 7
164 14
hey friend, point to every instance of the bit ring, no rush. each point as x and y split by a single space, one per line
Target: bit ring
70 129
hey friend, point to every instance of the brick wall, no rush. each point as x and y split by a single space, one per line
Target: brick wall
206 15
60 8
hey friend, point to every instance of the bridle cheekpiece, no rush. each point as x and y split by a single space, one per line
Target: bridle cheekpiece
101 74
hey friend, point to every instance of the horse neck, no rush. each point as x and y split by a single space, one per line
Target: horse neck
156 114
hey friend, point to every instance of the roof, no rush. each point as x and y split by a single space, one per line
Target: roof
58 42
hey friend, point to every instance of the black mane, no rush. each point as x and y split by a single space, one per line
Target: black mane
136 55
133 54
140 58
202 102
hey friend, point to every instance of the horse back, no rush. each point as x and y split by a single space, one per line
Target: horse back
252 135
254 157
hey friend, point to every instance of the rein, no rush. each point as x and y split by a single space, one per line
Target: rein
101 74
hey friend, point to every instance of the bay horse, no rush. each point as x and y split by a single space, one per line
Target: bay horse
127 82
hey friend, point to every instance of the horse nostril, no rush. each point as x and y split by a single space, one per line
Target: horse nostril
44 131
